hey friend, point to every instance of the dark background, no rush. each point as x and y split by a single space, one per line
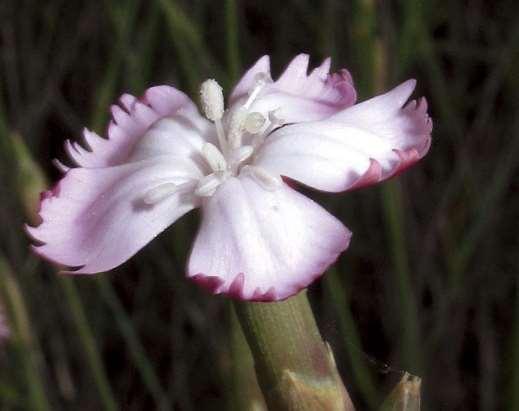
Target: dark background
429 284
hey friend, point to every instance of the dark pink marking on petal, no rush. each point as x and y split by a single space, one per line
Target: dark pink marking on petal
45 195
236 287
372 176
209 282
422 151
407 159
54 191
259 296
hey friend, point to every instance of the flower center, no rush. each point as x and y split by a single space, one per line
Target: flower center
239 137
240 133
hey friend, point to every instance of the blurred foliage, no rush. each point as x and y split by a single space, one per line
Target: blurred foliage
430 283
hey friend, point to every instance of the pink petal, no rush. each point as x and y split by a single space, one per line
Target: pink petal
177 136
130 120
298 95
96 219
255 244
361 145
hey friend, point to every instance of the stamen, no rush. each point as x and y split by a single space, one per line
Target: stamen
261 79
211 96
254 122
159 193
207 185
240 155
275 121
214 157
264 178
236 125
221 135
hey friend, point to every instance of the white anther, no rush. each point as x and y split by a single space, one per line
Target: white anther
275 120
214 157
264 178
211 96
208 185
159 193
254 122
241 154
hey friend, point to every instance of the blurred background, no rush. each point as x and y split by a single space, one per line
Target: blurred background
429 285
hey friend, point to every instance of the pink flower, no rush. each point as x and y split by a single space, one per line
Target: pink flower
259 238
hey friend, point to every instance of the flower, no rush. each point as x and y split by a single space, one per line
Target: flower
259 238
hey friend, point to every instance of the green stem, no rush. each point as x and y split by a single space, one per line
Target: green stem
26 344
295 367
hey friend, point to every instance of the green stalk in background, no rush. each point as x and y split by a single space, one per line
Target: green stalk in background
231 29
513 382
87 339
32 181
26 344
395 221
134 345
373 70
361 374
296 369
29 168
363 34
28 184
123 19
190 46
